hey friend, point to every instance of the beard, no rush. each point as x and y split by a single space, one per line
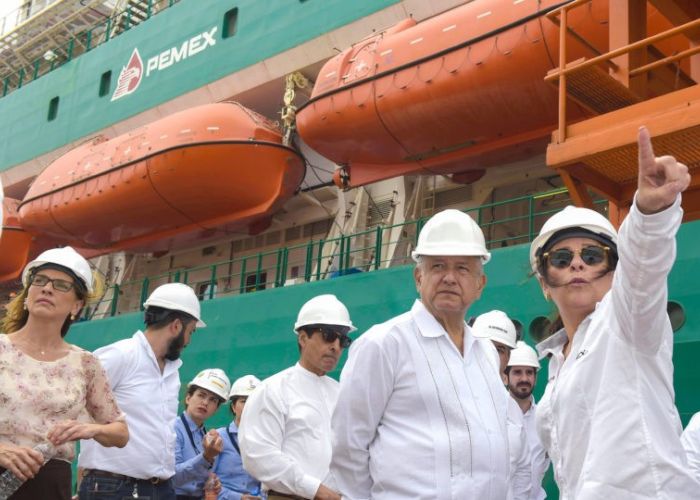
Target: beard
176 346
521 391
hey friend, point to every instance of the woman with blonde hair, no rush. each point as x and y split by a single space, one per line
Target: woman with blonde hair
607 418
51 392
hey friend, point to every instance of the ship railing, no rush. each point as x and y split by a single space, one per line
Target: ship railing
134 14
565 71
505 223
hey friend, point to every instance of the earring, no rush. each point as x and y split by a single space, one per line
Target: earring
72 317
25 305
546 296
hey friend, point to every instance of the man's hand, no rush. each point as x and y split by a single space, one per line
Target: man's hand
660 179
213 444
22 462
71 430
325 493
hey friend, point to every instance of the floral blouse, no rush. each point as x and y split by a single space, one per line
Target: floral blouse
35 395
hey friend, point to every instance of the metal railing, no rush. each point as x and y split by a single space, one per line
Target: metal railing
365 251
111 27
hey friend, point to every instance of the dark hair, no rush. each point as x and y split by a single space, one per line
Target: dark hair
191 389
159 317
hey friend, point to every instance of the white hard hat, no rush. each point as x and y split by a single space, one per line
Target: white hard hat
451 232
64 257
523 355
178 297
324 310
495 325
214 380
244 386
572 218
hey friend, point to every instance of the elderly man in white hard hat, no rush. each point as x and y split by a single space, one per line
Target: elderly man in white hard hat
237 483
497 327
521 377
195 448
285 434
144 374
422 409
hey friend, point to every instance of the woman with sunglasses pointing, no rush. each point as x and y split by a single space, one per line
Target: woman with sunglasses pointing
52 393
607 417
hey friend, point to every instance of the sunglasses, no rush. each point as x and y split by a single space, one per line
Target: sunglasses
58 284
590 255
330 335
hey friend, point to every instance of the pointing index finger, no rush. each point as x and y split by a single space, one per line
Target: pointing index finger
646 150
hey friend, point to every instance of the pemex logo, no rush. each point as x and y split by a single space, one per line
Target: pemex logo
129 77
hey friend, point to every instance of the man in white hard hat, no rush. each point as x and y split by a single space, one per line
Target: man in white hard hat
422 410
497 327
285 434
521 376
143 373
195 448
236 483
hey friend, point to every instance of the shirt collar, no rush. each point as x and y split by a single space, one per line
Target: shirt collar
428 326
190 422
552 344
232 427
170 366
307 373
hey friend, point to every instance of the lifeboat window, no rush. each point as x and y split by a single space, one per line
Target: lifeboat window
53 109
518 329
539 328
105 83
676 314
230 23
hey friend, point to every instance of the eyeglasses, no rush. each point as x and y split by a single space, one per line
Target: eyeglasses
330 335
590 255
58 284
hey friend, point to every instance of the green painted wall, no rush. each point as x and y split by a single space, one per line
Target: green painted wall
253 333
264 29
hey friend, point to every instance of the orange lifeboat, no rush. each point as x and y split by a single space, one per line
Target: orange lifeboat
458 92
15 242
204 172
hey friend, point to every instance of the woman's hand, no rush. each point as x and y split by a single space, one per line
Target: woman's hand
22 462
661 178
71 430
213 444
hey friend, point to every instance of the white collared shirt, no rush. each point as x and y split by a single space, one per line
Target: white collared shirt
149 399
416 419
607 417
285 432
520 477
539 461
691 444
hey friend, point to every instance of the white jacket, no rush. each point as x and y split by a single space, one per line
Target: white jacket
607 417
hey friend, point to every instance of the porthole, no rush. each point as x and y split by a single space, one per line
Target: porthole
518 329
676 314
539 328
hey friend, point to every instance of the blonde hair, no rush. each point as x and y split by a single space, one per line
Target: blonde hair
16 314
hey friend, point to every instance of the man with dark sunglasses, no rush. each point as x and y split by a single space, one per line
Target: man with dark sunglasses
285 432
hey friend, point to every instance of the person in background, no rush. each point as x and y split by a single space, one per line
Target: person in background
195 449
237 483
690 439
144 374
285 433
521 377
422 411
500 330
47 386
607 417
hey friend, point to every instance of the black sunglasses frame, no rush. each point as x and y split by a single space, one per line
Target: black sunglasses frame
331 334
589 255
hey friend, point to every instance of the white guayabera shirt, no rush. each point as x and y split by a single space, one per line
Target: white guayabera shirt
417 419
607 417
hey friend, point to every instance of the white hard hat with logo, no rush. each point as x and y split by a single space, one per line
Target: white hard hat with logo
324 310
523 355
451 233
572 218
64 257
495 325
177 297
213 380
244 386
